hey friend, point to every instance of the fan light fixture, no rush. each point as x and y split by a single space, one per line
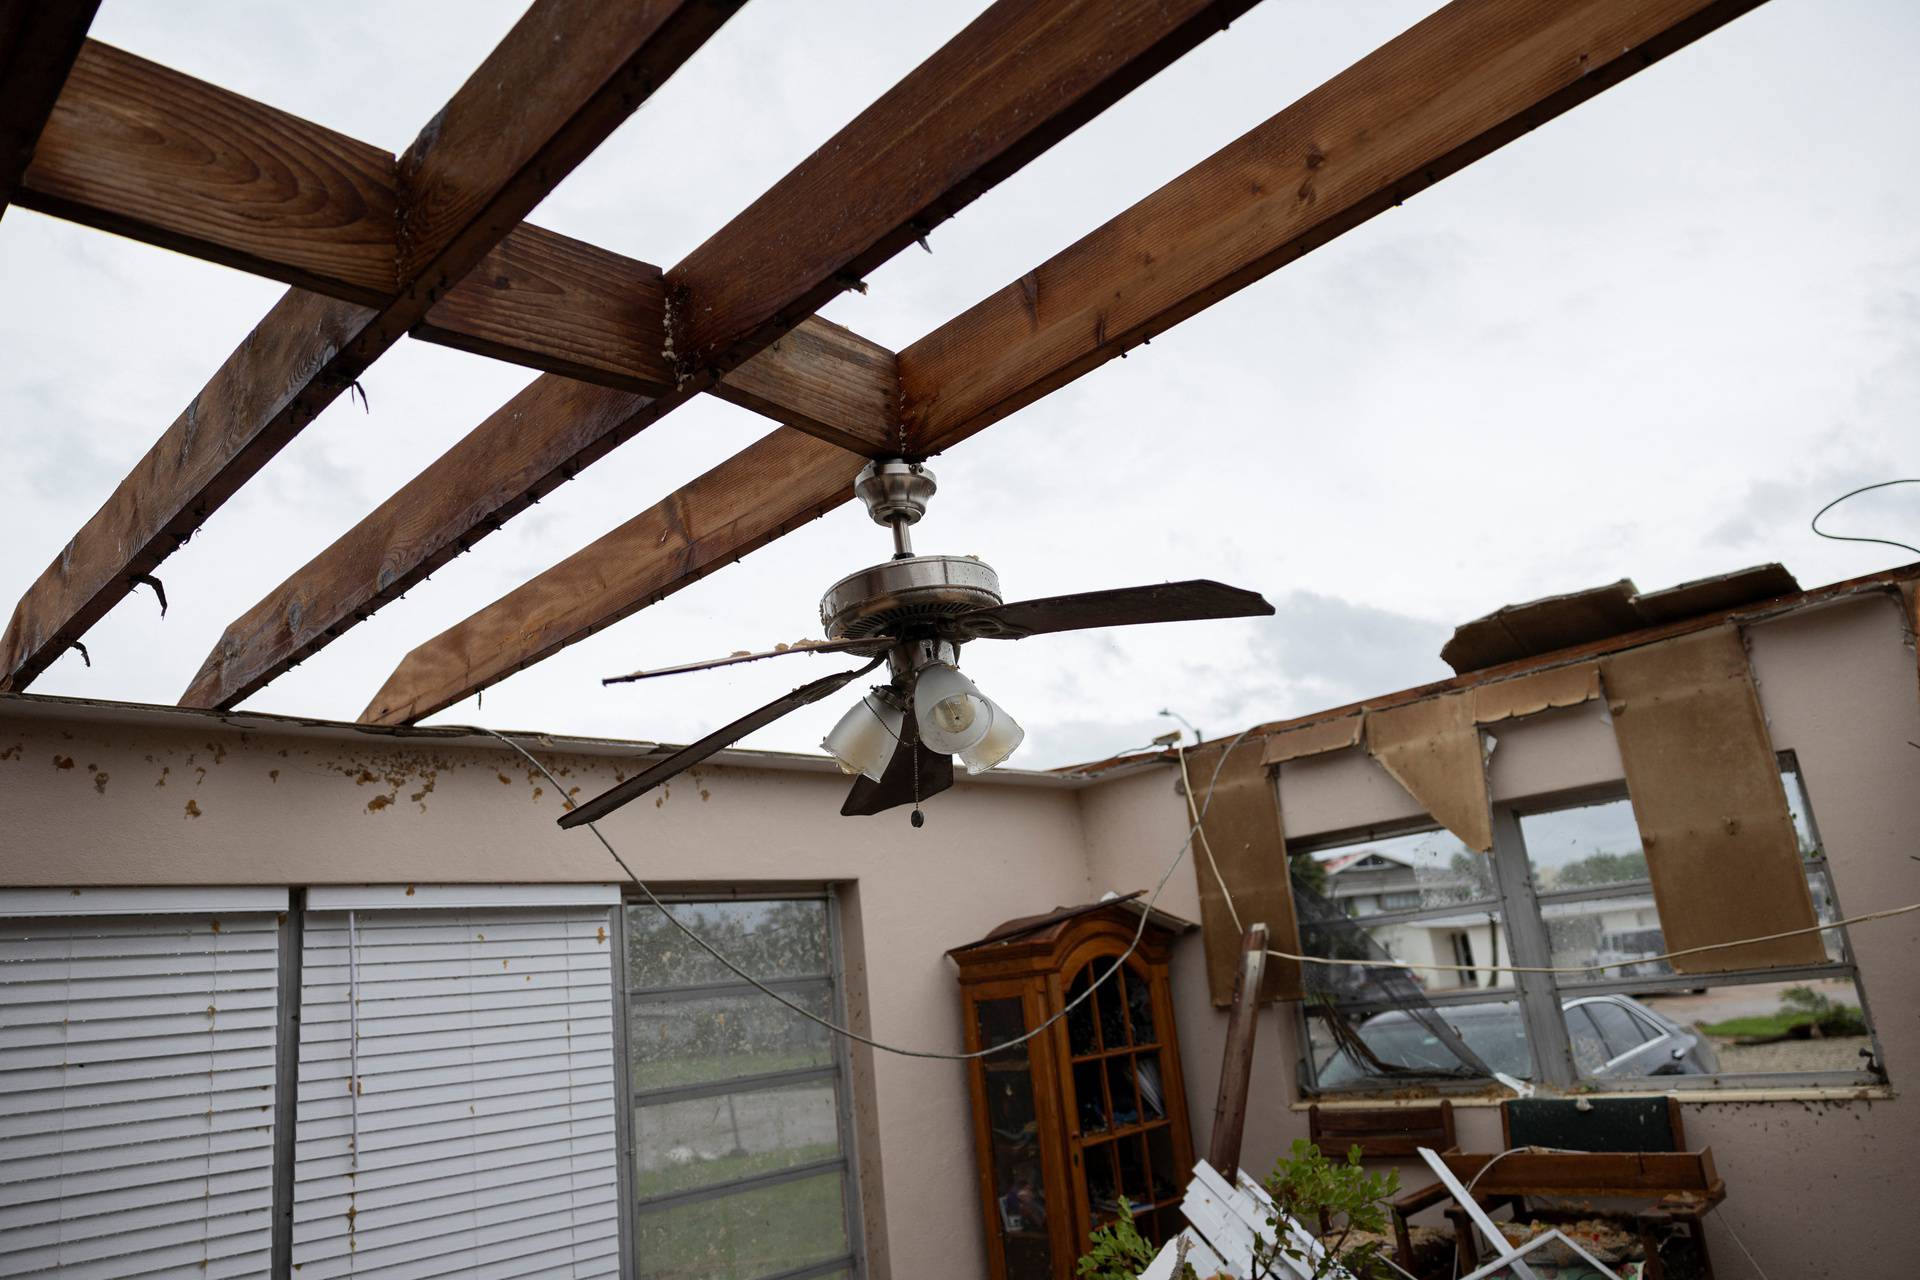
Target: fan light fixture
1002 740
953 715
866 736
912 614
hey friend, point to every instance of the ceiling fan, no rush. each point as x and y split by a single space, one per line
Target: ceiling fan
913 613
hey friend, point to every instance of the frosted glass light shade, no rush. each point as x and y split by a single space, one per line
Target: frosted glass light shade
1003 738
865 738
953 715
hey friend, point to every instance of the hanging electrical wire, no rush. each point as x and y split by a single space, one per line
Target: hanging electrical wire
847 1032
1814 524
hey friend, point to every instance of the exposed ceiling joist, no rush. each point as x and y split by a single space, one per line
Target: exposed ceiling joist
1454 87
148 152
531 445
1009 85
1449 90
1021 77
566 75
38 45
701 527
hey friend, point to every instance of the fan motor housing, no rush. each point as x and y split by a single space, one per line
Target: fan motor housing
907 598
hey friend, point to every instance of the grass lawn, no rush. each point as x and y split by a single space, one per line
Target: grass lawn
743 1236
707 1173
667 1072
1769 1024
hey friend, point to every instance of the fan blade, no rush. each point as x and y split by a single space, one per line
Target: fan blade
1121 607
900 781
805 646
719 740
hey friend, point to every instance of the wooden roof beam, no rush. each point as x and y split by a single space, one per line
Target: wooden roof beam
1452 88
566 75
39 41
1013 82
145 151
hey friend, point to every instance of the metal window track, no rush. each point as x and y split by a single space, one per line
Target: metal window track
693 1195
733 1084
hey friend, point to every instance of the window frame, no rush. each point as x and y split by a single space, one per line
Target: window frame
1541 996
839 1070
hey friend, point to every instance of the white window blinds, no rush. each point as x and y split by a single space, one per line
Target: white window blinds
136 1084
478 1135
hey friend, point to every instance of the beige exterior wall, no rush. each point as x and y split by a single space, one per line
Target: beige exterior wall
92 801
106 796
1817 1189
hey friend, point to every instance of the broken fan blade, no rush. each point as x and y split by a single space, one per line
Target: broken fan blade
805 646
719 740
901 783
1121 607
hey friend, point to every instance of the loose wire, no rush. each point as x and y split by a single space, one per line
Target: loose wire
1814 523
847 1032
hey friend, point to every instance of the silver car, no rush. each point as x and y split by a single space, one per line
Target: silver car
1613 1037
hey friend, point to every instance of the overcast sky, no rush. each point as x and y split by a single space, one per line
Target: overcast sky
1646 341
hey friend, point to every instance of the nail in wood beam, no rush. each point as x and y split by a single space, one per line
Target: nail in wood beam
566 75
1452 88
39 41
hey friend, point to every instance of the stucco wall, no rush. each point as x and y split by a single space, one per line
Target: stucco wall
1816 1189
87 803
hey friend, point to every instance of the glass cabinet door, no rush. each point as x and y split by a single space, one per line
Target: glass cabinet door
1123 1133
1014 1142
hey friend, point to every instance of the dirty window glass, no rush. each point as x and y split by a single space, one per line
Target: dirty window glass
740 1165
1403 873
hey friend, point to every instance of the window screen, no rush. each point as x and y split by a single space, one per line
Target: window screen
741 1166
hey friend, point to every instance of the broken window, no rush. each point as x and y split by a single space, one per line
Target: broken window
1571 873
738 1125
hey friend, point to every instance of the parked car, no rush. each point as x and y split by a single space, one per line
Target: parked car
1613 1037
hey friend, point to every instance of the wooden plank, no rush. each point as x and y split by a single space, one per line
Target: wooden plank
142 150
781 481
291 366
1017 79
561 80
1236 1063
38 44
1638 1173
540 438
529 446
148 152
1452 88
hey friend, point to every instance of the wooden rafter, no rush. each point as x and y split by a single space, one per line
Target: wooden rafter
566 75
1022 76
1451 89
156 155
532 444
699 528
1012 83
38 44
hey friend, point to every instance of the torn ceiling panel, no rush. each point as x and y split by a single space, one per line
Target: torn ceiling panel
1711 595
1433 749
1536 692
1518 631
1244 853
1313 739
1707 797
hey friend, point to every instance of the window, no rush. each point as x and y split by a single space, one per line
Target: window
1571 877
739 1126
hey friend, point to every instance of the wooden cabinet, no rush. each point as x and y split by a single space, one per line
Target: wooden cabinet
1089 1111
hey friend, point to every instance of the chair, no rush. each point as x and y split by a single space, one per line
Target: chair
1385 1133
